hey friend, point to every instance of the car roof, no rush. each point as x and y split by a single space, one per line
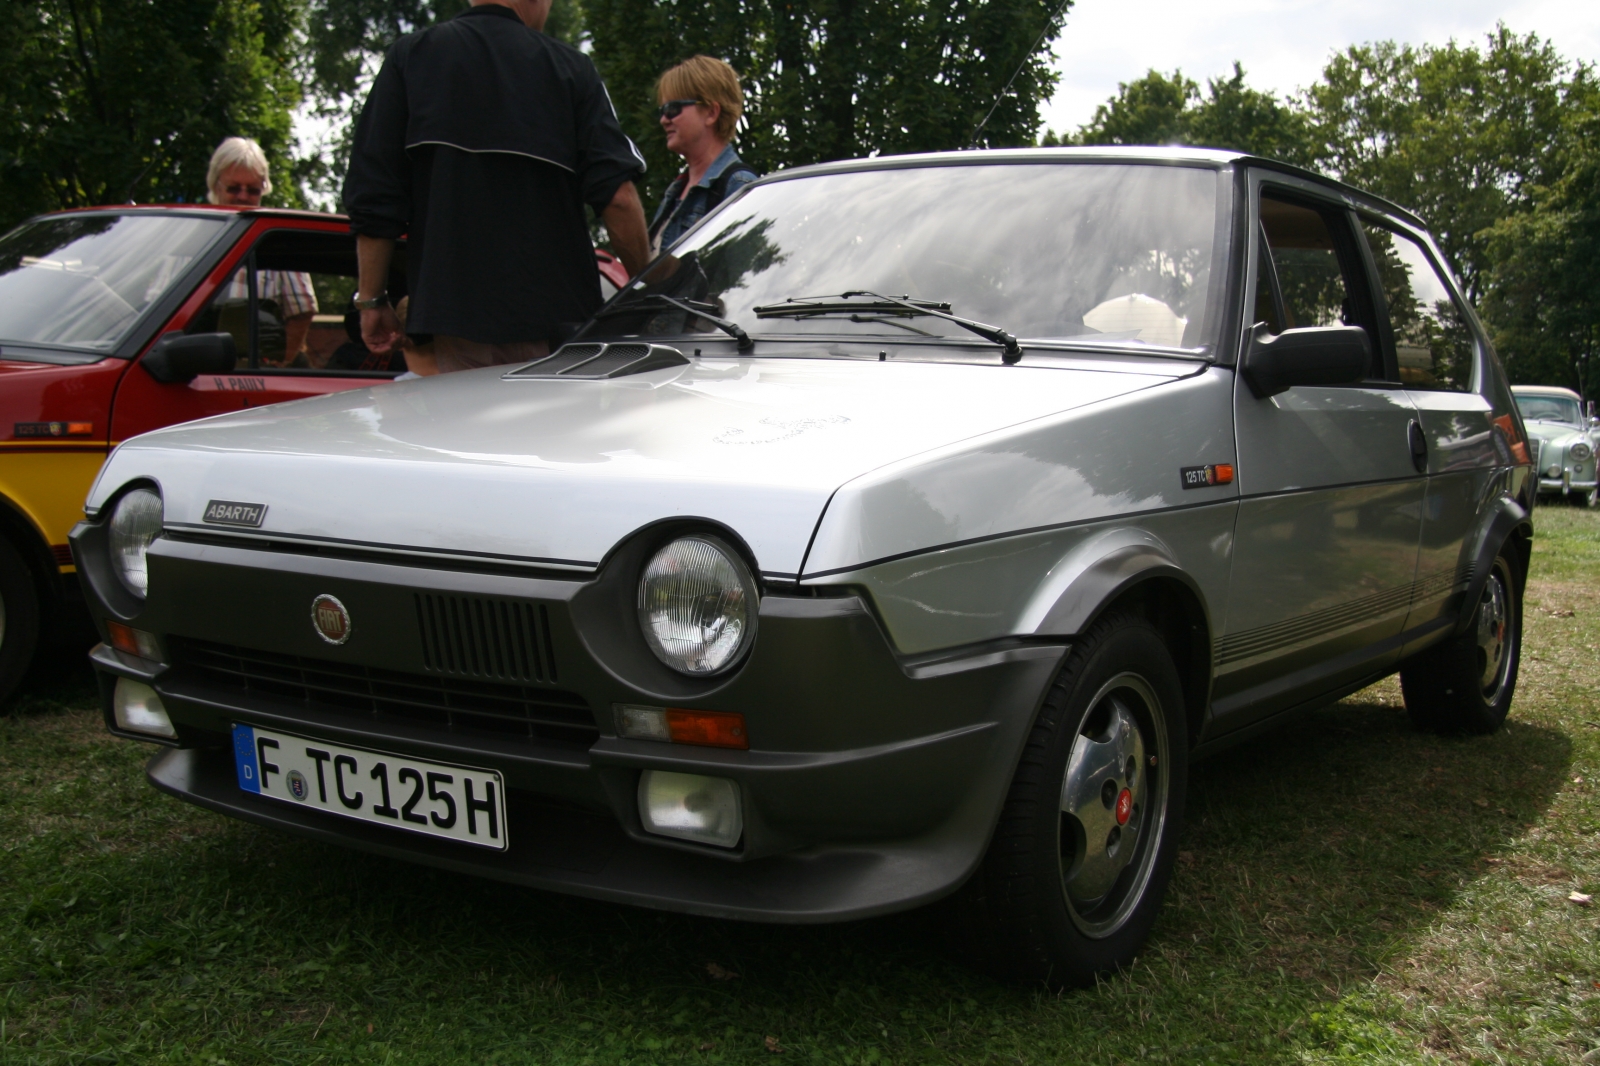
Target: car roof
1179 155
199 209
1544 390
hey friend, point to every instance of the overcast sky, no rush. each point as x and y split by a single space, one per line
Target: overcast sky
1283 44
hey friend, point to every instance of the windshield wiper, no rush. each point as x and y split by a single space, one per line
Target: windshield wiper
699 310
843 304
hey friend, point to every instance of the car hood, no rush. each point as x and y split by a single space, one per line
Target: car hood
558 472
1552 431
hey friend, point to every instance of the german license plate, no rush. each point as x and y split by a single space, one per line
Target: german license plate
454 802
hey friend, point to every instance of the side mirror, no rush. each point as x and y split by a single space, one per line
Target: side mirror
178 359
1317 355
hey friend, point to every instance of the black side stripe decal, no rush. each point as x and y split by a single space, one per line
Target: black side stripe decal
1262 640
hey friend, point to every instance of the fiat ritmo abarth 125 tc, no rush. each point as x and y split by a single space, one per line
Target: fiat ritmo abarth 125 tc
903 533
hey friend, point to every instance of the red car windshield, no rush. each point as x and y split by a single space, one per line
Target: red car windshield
82 281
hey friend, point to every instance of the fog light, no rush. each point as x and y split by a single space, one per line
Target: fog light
134 641
691 807
138 709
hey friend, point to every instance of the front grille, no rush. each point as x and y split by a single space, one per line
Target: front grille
500 640
446 703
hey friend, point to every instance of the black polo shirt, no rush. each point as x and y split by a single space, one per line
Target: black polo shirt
480 143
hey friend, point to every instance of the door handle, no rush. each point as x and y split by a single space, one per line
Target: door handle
1419 446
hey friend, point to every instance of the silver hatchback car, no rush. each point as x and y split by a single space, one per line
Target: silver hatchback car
903 533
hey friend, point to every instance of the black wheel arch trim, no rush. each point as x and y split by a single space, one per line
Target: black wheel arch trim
1509 522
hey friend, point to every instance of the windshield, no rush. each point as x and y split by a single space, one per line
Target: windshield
1549 409
82 281
1121 254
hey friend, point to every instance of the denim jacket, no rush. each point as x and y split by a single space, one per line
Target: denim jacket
675 217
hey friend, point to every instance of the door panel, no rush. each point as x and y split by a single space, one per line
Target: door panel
1442 365
1330 512
1462 464
1326 548
288 349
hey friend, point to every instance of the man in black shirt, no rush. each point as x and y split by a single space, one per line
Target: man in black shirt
480 142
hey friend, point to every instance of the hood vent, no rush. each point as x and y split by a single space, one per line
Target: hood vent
596 361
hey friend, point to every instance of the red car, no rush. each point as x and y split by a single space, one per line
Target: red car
116 321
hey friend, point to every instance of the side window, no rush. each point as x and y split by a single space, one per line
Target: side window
1433 343
1316 268
303 318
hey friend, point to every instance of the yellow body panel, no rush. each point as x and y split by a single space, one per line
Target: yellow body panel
50 486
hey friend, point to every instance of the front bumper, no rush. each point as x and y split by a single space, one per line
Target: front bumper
872 783
1565 485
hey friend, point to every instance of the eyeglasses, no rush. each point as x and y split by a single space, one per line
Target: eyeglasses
674 108
235 190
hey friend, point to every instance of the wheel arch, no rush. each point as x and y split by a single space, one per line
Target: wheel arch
1133 569
23 534
1512 525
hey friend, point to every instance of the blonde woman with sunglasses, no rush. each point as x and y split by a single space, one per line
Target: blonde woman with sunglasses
700 107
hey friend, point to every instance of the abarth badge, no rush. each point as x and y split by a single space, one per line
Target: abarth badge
233 513
330 619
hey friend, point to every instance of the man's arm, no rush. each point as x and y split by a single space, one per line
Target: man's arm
624 220
380 329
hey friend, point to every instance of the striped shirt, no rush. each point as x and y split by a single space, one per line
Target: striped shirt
291 290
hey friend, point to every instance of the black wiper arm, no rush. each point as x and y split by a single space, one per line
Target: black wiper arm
699 310
843 304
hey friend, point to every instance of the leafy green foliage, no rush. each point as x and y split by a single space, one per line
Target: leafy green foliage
1170 109
1543 289
104 102
1458 134
835 79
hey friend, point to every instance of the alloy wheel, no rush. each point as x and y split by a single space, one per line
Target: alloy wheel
1113 804
1494 634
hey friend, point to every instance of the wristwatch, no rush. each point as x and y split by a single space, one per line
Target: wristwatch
380 300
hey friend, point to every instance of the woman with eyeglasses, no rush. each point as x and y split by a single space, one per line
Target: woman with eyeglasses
238 177
700 106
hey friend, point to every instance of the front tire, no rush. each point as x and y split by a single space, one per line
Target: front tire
1079 863
1466 684
19 620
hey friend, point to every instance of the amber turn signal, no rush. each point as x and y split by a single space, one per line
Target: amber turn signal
716 729
133 641
1224 475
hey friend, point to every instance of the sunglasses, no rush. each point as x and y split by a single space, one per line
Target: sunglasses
674 108
235 190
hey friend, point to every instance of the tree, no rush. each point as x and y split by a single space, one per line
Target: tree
1542 291
109 102
1153 110
1461 136
1169 109
1235 116
836 79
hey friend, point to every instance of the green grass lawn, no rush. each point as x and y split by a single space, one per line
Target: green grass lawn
1348 890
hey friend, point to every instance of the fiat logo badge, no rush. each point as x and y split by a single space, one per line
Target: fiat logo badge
330 619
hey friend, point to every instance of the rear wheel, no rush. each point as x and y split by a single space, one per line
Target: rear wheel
19 619
1465 685
1078 865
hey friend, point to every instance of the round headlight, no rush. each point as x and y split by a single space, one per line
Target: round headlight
1581 451
134 524
697 605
